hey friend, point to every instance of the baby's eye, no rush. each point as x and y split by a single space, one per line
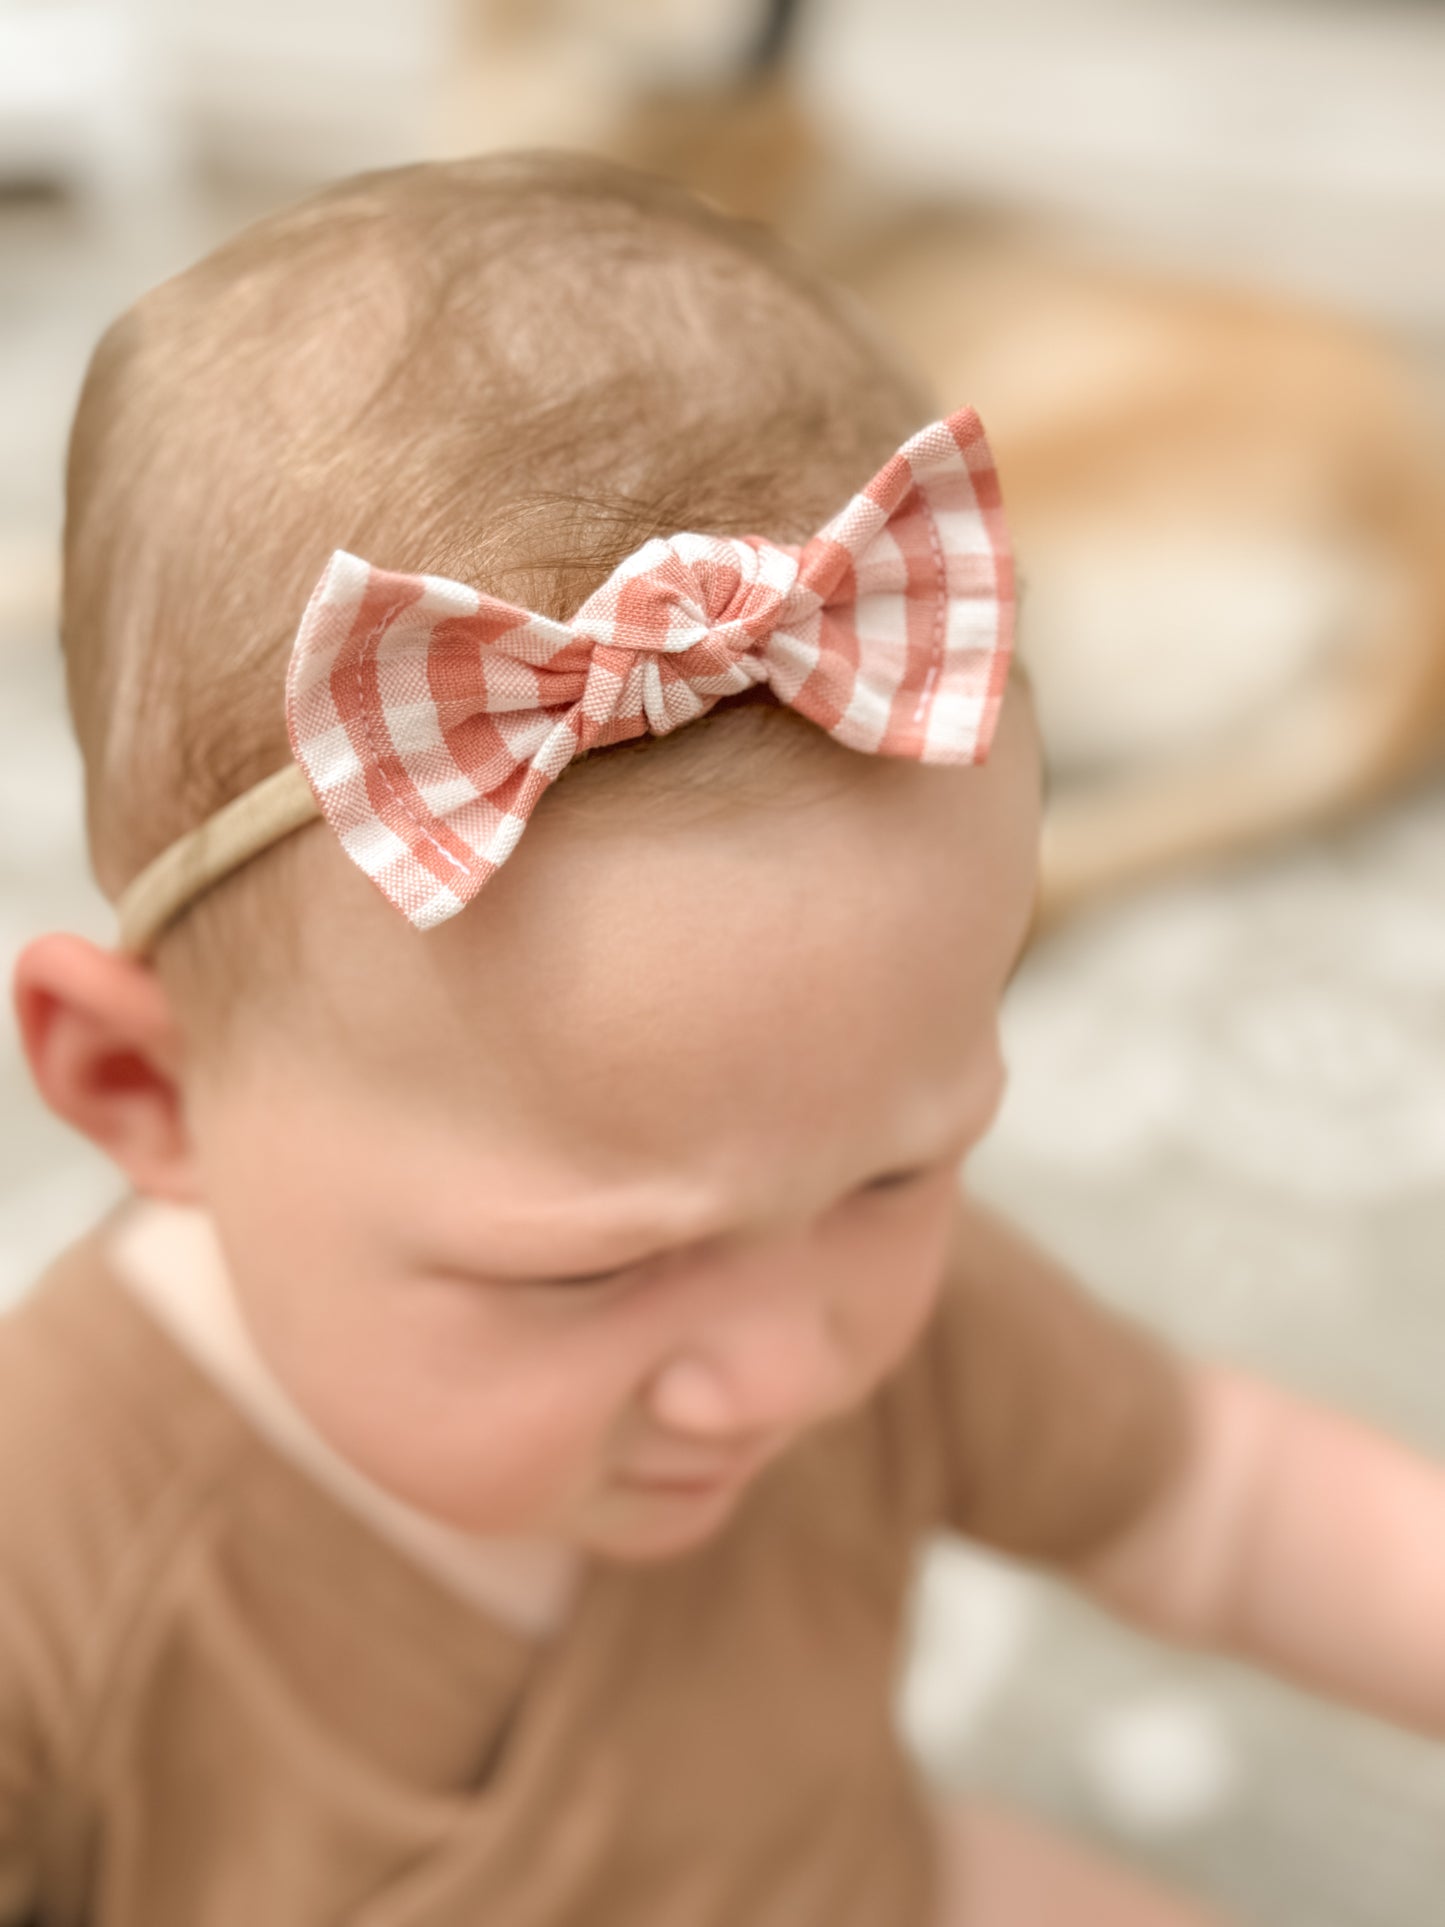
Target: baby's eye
614 1278
585 1280
895 1180
558 1284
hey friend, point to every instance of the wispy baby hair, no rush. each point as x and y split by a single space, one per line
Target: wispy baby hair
511 371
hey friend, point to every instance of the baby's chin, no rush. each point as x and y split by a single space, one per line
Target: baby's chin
640 1528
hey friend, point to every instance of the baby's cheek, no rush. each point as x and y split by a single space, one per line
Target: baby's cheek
509 1447
896 1274
499 1461
442 1404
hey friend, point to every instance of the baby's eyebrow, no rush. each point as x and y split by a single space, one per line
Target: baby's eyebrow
520 1218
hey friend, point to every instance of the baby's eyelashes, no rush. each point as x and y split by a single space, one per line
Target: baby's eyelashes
899 1180
588 1280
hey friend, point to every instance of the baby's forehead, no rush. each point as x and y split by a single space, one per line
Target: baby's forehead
641 974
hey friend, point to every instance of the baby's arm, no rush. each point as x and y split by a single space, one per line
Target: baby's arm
1297 1538
1202 1504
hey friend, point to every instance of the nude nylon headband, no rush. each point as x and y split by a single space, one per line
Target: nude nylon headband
427 720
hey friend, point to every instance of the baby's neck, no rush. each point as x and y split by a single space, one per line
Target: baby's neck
168 1257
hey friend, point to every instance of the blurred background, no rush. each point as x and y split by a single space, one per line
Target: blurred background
1186 258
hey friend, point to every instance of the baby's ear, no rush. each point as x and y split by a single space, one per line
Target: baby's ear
106 1055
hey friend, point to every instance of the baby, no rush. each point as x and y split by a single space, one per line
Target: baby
478 1474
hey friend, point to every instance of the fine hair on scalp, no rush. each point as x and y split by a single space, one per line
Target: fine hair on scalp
511 370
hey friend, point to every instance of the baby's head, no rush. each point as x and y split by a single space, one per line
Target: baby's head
563 1217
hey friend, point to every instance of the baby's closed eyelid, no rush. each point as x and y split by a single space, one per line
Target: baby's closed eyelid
542 1281
615 1275
898 1180
583 1280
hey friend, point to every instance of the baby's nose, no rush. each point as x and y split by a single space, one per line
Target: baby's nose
769 1371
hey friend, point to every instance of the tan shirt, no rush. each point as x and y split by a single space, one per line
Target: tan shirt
226 1698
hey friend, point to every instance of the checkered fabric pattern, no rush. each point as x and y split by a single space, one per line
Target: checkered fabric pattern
429 719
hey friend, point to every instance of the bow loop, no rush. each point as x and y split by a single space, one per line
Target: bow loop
430 719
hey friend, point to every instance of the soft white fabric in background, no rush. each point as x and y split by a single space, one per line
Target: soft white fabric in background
1229 1096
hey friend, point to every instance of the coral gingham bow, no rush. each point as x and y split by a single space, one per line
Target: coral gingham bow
429 719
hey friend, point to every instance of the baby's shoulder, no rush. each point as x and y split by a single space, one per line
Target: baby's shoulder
110 1450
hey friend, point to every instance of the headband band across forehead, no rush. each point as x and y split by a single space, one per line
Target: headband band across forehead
427 719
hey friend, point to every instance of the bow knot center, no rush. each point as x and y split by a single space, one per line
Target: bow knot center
721 595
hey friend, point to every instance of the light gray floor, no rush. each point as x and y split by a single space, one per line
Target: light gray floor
1228 1111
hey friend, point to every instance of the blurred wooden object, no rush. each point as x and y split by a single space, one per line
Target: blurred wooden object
1229 517
1227 508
